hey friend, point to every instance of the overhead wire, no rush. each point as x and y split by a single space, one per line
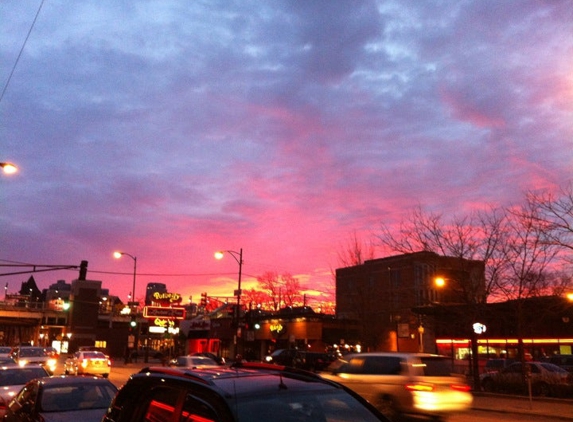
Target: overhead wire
21 51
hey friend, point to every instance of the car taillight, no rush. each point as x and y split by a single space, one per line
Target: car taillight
460 387
420 387
109 363
84 363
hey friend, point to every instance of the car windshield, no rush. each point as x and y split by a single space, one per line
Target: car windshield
319 406
32 352
20 376
94 355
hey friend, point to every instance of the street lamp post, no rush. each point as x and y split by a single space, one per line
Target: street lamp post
131 339
119 255
238 256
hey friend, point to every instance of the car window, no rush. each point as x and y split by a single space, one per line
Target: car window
323 406
553 368
196 410
161 405
353 366
382 365
434 366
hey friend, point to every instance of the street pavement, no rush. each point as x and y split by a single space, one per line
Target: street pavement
559 409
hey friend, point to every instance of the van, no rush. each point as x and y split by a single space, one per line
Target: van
400 384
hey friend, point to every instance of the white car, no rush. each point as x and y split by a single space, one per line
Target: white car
405 383
90 362
31 355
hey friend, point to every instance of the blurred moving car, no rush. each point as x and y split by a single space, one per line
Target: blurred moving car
30 355
194 362
401 384
13 378
240 393
546 379
92 363
62 398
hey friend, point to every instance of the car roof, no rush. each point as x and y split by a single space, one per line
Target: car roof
74 380
259 378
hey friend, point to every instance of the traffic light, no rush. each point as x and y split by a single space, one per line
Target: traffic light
133 322
203 299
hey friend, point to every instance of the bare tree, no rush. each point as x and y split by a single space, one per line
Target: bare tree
555 213
280 289
291 292
355 251
478 236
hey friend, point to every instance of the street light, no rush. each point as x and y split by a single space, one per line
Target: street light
118 255
9 168
239 258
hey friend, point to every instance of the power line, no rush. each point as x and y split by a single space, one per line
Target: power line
21 50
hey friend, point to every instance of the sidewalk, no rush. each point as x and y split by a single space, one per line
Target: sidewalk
560 409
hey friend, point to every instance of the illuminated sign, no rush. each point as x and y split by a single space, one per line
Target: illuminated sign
161 312
166 298
277 328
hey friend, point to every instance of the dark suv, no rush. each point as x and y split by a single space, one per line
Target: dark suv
245 392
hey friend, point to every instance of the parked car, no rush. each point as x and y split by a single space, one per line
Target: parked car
546 379
564 361
5 351
243 392
194 362
30 355
7 361
311 361
219 359
92 363
401 384
13 378
56 399
496 364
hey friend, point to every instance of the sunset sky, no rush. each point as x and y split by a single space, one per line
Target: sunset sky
172 129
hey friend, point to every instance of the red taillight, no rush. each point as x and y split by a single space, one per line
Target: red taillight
109 363
460 387
2 404
420 387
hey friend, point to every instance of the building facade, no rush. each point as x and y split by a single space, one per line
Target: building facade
382 295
